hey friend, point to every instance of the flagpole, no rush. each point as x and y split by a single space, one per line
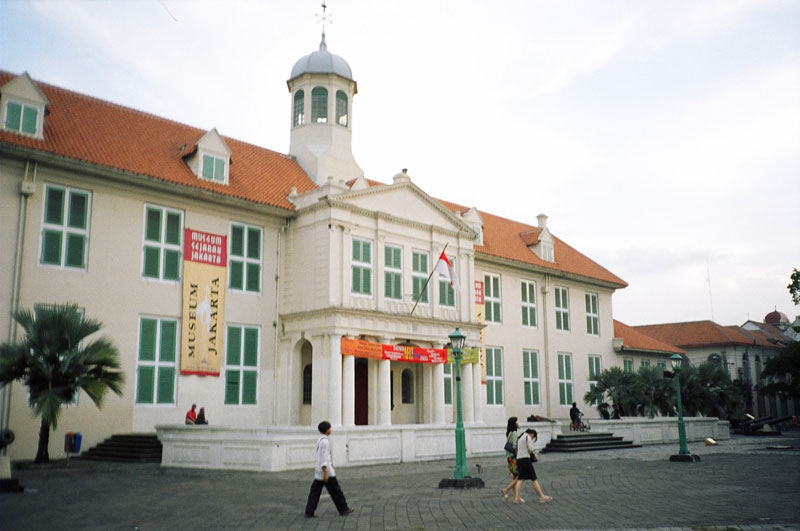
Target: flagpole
433 269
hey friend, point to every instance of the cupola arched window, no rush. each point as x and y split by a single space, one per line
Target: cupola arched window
299 108
341 108
407 386
319 105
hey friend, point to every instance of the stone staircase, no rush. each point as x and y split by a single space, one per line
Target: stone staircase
127 448
587 442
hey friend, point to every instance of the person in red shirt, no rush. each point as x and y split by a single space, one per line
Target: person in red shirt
191 415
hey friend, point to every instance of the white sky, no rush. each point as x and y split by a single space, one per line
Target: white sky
662 139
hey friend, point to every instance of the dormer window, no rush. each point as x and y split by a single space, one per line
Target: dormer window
319 105
341 108
547 252
214 168
21 118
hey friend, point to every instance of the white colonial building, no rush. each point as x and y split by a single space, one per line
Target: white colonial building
323 312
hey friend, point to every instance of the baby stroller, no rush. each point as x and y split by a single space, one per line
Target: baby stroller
580 425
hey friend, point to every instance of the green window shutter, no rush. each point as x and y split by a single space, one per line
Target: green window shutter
526 365
152 225
560 366
171 264
253 243
208 167
169 330
528 394
253 277
356 251
237 274
29 119
152 257
534 365
144 384
51 247
237 240
367 278
567 368
562 393
525 321
232 386
219 169
78 206
250 347
535 393
249 384
166 385
173 235
54 206
75 247
13 116
234 345
490 392
147 340
356 280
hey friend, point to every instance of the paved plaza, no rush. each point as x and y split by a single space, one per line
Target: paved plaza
738 484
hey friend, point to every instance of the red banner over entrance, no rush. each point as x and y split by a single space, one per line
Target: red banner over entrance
378 351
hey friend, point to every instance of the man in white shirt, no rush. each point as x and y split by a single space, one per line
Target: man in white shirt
325 475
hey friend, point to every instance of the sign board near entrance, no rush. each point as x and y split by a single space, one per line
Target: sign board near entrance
378 351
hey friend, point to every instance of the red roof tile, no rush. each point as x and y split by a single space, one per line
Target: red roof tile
703 334
97 132
638 340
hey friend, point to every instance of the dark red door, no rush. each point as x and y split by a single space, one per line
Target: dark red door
361 400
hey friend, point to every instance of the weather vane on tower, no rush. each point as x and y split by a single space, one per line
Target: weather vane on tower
324 17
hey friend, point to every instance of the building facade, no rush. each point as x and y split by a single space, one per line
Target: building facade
326 302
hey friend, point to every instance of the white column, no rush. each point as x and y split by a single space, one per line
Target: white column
348 390
438 393
384 390
335 380
467 388
477 392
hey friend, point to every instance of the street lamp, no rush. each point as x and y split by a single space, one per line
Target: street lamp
683 453
457 342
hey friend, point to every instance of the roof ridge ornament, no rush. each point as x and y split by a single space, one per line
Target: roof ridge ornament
323 47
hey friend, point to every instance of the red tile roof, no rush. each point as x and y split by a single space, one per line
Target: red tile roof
633 339
704 334
98 132
509 239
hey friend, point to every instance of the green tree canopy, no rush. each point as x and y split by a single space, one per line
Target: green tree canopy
785 368
55 360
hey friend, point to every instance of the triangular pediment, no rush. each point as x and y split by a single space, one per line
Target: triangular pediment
23 88
404 200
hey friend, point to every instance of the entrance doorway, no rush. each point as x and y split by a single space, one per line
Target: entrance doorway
361 393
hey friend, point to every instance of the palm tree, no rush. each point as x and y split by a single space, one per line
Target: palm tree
616 385
656 393
55 361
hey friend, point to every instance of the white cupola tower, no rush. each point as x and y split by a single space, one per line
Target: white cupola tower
322 90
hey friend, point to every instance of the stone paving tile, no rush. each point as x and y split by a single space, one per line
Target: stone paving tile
739 484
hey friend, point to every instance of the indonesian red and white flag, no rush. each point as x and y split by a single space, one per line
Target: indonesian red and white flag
446 269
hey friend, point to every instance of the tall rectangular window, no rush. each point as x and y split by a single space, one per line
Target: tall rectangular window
361 267
592 314
530 377
528 303
241 365
65 226
448 383
494 376
564 378
214 168
163 238
645 363
21 118
244 258
419 276
491 298
661 365
627 365
447 295
594 371
562 308
393 272
156 365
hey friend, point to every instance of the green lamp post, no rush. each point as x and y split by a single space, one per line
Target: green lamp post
457 342
683 453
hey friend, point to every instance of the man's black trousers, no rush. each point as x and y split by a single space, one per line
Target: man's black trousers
333 489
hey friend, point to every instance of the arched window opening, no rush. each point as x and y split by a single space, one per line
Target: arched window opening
319 105
407 384
307 384
715 359
299 108
341 108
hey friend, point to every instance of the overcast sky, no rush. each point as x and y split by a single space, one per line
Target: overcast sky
662 138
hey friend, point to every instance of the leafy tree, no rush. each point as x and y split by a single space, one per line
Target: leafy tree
55 360
786 368
615 385
794 286
655 394
707 389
